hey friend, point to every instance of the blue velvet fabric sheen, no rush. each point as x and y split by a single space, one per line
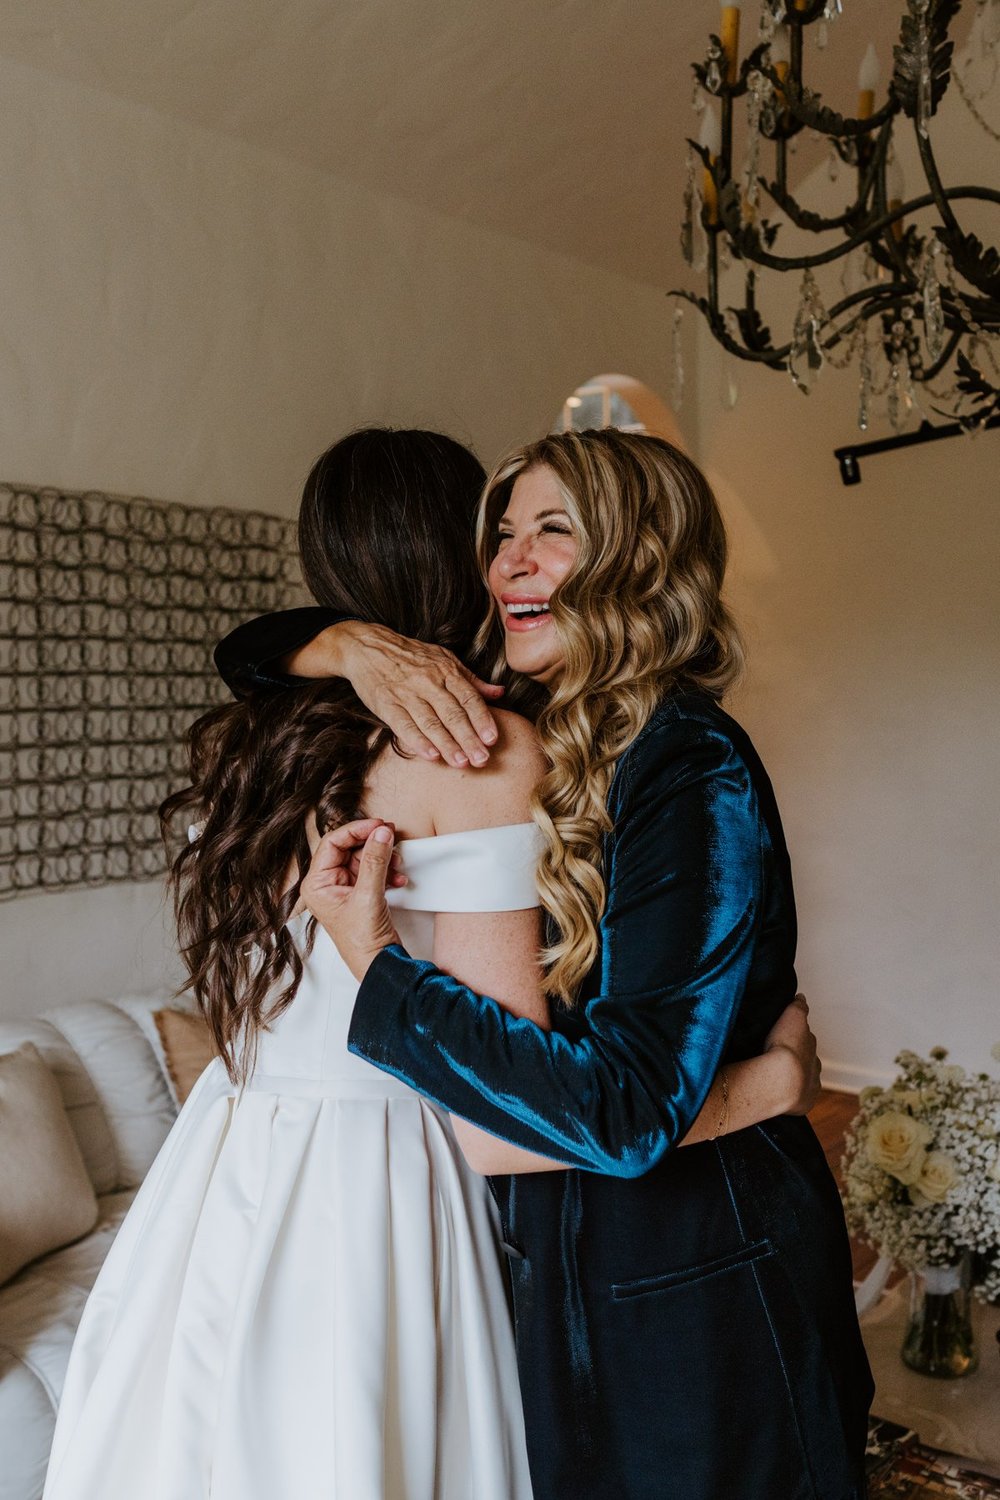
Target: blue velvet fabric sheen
685 1319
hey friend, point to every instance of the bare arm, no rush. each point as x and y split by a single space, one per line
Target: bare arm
433 704
498 950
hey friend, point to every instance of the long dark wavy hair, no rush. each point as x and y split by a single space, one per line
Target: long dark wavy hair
386 535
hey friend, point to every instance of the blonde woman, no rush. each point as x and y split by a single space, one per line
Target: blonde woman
685 1320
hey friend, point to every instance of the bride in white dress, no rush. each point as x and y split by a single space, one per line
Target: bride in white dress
307 1300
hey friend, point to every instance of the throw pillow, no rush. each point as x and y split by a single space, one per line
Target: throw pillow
188 1047
46 1197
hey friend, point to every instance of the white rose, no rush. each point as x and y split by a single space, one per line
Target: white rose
938 1176
896 1143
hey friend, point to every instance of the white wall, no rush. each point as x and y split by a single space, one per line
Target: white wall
188 318
873 613
192 318
74 945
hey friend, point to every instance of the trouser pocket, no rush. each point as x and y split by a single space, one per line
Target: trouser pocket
643 1286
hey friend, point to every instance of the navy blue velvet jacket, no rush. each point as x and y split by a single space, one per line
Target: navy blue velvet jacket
685 1318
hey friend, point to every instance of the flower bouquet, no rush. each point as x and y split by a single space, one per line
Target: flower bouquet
922 1185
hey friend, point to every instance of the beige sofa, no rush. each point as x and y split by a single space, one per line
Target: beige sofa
108 1061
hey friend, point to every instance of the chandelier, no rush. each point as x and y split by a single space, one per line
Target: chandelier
916 309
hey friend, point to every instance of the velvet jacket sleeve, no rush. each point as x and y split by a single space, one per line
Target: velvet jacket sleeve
246 659
684 872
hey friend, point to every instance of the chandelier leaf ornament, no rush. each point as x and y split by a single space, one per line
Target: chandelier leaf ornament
916 309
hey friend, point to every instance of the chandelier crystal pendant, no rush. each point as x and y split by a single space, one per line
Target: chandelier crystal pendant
917 306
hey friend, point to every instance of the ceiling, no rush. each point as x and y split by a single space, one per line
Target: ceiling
559 122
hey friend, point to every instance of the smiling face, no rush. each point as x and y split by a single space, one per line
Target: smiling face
536 549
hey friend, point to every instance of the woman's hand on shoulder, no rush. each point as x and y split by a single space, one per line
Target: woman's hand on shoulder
432 703
792 1037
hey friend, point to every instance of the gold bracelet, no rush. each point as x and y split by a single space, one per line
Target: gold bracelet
724 1117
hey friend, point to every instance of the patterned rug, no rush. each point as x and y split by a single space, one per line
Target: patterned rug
900 1467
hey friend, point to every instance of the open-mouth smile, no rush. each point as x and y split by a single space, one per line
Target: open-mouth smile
525 614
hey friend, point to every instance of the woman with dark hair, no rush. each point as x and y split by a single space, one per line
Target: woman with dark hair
685 1319
307 1297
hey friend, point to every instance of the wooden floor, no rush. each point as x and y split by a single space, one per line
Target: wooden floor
830 1119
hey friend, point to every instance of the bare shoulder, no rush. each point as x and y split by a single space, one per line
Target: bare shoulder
499 792
518 744
428 797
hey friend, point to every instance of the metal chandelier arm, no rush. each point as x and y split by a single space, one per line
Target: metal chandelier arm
747 242
777 355
808 111
804 218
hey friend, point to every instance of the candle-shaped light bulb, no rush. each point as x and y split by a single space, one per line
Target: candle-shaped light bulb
868 76
711 139
895 192
711 131
869 71
895 182
781 49
729 36
781 54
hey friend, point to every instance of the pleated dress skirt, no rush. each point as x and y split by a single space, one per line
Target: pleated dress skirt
307 1300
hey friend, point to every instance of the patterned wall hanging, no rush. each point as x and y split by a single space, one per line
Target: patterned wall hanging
109 610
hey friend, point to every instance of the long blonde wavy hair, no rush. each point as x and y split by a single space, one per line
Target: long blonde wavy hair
639 615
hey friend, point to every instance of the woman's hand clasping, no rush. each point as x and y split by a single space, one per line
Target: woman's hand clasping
792 1035
345 890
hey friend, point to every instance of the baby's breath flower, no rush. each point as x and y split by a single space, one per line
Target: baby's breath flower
922 1167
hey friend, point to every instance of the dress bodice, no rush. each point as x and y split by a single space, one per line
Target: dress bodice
486 869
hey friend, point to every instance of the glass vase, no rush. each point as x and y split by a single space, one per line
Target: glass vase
939 1339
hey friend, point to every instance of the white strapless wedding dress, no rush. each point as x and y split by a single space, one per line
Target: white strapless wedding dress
307 1299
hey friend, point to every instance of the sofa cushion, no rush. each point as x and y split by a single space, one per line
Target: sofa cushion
105 1058
188 1046
39 1313
46 1196
27 1423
